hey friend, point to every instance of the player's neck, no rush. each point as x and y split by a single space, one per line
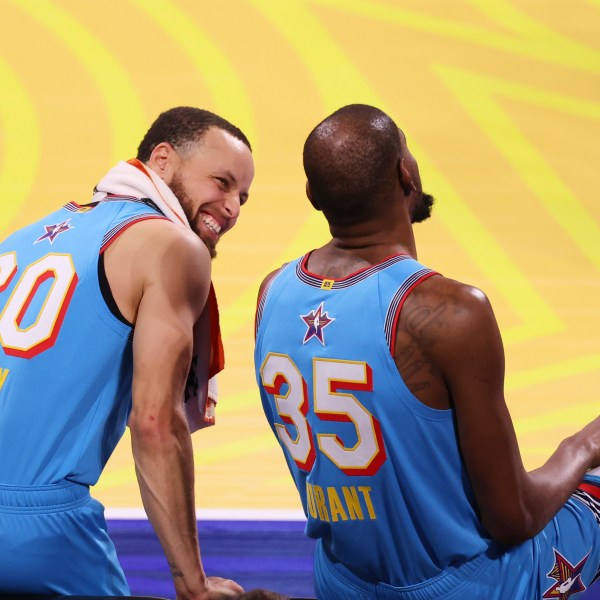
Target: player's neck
343 256
373 241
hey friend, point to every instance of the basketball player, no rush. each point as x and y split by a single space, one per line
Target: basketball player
383 382
99 304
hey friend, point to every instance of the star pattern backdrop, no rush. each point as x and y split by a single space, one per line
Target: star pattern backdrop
499 99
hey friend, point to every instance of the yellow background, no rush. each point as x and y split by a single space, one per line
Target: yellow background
500 101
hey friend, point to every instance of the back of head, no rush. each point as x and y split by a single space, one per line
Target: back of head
350 161
183 127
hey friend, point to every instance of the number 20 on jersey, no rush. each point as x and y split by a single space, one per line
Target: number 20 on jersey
29 341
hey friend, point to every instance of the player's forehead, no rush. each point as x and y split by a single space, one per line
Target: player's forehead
219 149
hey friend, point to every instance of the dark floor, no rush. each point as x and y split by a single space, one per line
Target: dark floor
275 555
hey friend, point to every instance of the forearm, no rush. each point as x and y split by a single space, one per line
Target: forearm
164 467
528 502
551 485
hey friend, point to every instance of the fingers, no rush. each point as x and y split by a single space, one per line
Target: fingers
223 587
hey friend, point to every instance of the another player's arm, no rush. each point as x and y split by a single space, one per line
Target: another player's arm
466 346
173 273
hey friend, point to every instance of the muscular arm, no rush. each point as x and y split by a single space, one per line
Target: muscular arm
462 342
171 273
174 290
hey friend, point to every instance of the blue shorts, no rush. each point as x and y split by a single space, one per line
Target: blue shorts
54 540
562 561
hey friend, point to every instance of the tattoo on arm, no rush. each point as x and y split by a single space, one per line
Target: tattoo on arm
417 333
420 322
175 572
410 366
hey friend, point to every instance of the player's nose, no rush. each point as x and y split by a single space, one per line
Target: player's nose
232 205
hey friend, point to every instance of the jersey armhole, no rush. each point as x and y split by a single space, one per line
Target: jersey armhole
260 305
108 239
393 312
107 292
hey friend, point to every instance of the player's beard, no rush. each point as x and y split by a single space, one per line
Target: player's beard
187 205
422 209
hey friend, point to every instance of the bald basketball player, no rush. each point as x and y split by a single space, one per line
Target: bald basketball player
383 383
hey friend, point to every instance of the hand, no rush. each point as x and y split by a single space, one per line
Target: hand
217 588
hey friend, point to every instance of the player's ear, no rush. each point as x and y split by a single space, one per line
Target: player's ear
163 161
309 195
407 181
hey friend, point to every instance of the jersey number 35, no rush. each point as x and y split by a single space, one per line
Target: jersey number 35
282 379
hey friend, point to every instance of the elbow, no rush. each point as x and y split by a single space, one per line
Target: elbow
509 538
512 530
149 430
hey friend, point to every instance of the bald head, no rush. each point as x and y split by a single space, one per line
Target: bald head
351 163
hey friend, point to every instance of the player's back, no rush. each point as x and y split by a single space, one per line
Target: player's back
379 473
65 366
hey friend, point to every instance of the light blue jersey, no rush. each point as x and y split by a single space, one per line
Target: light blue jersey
380 474
65 366
65 396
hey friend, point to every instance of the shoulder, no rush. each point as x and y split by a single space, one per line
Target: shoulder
159 240
175 257
449 296
158 257
445 313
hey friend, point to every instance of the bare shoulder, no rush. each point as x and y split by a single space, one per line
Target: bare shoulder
454 327
150 243
156 254
451 289
164 237
446 302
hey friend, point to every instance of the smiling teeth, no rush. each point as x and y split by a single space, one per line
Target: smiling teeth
211 224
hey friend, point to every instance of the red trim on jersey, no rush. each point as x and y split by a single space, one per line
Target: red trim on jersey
305 258
48 274
217 354
49 341
590 488
275 390
262 294
379 458
9 279
126 196
118 233
397 315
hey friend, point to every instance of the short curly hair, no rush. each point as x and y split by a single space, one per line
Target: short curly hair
182 127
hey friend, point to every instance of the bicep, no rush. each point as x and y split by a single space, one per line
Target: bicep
175 288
